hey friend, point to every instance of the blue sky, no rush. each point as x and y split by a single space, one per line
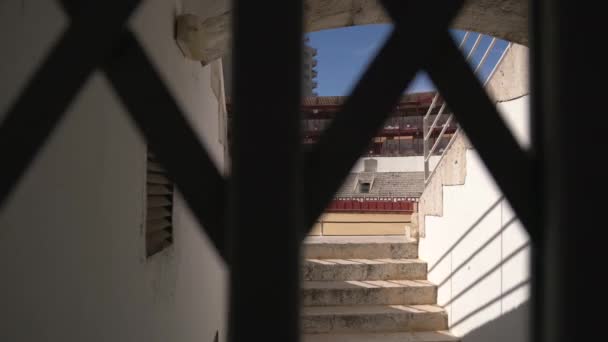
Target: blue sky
343 54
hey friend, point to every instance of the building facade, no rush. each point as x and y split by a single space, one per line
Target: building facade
309 73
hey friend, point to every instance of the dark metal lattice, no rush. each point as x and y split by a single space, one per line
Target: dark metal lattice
117 52
97 38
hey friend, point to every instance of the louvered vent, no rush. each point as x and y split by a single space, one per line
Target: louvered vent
159 220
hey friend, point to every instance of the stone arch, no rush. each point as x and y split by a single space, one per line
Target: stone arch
505 19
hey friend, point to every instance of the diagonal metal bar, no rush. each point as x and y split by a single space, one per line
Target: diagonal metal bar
485 55
54 86
439 137
372 99
508 163
169 135
90 40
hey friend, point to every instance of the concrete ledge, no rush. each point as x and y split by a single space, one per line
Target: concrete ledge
451 170
364 269
393 318
360 247
370 292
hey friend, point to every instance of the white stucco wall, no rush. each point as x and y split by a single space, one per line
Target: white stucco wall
397 164
515 113
478 252
72 248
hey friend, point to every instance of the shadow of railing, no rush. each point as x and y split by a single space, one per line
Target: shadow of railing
489 303
461 239
474 253
477 251
487 273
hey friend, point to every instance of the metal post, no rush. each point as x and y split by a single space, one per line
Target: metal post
425 145
570 172
265 215
536 148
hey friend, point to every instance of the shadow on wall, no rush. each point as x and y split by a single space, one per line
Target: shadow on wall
489 271
468 231
513 326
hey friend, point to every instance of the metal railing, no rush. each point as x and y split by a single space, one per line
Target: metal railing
376 204
430 142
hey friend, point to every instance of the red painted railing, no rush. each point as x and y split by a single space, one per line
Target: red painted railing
374 205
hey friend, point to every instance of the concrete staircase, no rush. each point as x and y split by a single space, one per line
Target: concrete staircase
369 288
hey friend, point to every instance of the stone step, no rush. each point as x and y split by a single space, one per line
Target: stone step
357 247
424 336
373 319
370 292
363 269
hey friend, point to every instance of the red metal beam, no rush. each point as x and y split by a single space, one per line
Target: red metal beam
390 133
327 106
